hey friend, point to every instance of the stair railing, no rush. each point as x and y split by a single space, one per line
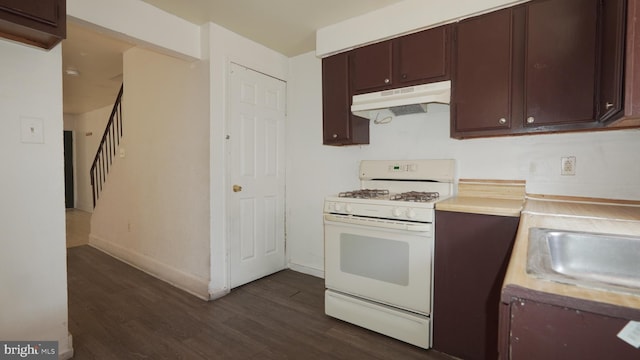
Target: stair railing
107 150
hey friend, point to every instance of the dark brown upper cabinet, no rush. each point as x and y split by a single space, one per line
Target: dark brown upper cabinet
340 126
409 60
560 62
545 66
632 64
613 49
631 118
371 67
482 84
41 23
413 59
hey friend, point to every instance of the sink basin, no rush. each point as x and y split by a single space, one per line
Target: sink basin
610 262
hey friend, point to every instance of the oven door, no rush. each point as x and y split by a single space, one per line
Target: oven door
381 260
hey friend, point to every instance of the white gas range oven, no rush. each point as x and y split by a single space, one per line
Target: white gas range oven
379 243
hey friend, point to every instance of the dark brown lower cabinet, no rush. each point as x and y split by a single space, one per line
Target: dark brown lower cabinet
535 329
471 256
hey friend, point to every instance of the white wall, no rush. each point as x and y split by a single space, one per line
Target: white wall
223 47
139 23
606 161
89 128
69 122
33 270
154 210
400 18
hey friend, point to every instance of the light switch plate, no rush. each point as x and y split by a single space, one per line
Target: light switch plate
31 130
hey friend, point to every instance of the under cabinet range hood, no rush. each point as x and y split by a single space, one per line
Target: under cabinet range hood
402 101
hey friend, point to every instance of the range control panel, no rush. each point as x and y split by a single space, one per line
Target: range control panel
403 167
442 170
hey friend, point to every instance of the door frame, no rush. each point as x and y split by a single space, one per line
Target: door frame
74 167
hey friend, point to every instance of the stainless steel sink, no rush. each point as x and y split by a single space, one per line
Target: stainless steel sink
610 262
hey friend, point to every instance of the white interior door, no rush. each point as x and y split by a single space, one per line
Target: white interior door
256 175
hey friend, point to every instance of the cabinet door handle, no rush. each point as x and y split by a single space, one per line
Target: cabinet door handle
404 76
386 81
530 120
608 105
335 136
502 121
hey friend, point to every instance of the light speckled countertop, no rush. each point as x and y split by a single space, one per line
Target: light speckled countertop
488 197
566 214
478 205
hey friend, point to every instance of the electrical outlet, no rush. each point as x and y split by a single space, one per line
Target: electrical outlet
568 165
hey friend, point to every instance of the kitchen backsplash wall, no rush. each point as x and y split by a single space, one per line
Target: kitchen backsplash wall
606 162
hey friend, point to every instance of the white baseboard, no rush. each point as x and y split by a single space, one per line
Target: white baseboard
216 294
66 354
307 270
192 284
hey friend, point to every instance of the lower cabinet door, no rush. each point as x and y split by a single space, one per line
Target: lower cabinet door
544 331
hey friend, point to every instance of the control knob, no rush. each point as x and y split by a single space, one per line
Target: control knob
411 214
396 212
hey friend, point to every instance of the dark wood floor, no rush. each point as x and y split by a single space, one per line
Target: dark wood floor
118 312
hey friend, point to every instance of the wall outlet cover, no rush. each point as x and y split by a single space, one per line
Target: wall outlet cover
568 165
31 130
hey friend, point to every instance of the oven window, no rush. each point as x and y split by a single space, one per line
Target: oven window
375 258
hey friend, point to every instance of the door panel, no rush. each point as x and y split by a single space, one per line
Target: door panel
383 265
560 73
482 75
612 60
423 56
256 175
339 125
371 67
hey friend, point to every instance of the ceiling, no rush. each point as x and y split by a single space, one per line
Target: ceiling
286 26
98 60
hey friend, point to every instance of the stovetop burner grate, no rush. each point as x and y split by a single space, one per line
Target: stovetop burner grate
416 196
365 194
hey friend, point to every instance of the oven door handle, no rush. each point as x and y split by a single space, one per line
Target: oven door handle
380 223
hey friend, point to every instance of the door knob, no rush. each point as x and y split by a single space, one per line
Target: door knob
237 188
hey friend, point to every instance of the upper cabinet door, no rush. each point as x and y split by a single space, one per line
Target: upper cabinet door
336 100
371 67
610 101
41 23
340 126
45 11
423 56
481 93
561 62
